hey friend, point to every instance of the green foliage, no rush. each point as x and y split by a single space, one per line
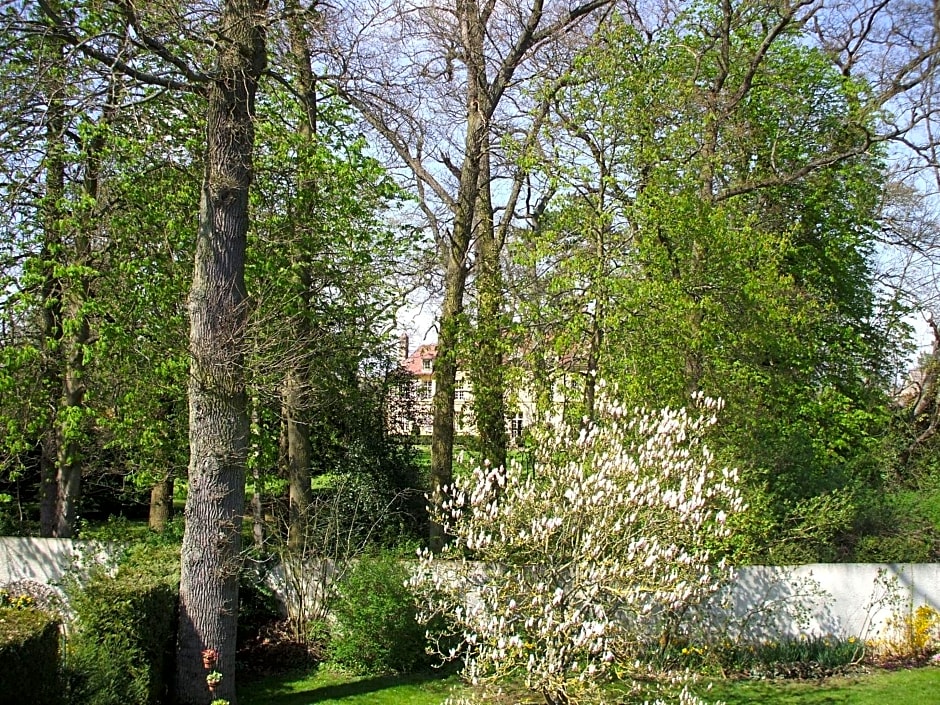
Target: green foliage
10 523
128 289
681 252
29 652
376 626
126 627
804 657
257 604
902 526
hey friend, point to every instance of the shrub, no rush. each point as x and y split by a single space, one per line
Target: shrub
805 657
257 604
587 557
376 627
909 634
346 518
122 651
899 527
29 654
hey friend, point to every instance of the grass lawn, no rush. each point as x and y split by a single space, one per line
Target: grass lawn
323 686
919 686
903 687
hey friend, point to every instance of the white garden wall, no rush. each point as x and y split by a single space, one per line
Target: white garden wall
48 561
853 599
843 599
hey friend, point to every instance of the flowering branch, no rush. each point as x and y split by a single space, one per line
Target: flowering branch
588 560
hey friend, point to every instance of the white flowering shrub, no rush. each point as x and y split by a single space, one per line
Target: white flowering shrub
576 567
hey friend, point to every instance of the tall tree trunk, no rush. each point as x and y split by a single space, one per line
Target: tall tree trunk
161 494
296 395
71 425
599 287
218 414
489 404
161 503
445 378
71 421
51 293
593 361
485 87
299 455
455 277
254 465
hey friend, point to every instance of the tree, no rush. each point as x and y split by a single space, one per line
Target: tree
75 181
467 60
139 375
50 259
326 283
716 188
586 558
218 422
326 231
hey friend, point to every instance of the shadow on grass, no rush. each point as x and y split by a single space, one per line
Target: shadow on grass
266 692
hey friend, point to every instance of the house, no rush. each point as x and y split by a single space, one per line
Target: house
419 364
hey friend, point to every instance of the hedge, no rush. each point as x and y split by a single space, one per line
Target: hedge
29 654
122 653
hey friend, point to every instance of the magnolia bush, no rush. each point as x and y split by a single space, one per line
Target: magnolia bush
576 567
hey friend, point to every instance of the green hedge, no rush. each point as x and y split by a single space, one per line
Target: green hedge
376 627
29 657
122 652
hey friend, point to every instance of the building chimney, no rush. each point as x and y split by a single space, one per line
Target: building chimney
403 347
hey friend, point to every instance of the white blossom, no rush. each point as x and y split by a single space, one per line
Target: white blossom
585 556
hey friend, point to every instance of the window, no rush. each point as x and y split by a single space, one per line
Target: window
425 390
515 426
426 364
459 394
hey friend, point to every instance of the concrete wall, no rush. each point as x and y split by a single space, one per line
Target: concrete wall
853 599
842 599
49 561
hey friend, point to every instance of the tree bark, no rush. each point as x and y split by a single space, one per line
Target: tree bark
445 377
161 503
455 278
71 421
161 493
70 424
489 379
254 465
51 292
296 395
299 455
486 83
218 413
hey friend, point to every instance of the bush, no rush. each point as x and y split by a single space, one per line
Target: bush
600 546
29 654
910 634
806 657
899 527
122 652
257 605
376 626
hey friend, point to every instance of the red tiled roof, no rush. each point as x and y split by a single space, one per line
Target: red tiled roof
415 362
